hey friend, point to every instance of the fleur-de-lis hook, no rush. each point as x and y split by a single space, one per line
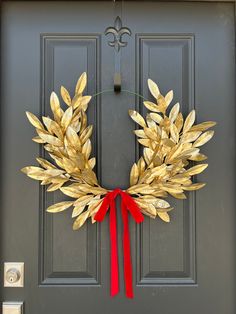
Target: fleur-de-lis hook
118 31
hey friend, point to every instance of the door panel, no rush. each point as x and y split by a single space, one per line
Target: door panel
168 257
69 259
186 266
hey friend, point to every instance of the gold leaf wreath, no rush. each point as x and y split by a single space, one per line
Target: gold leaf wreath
170 144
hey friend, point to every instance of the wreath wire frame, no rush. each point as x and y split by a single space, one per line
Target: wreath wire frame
170 145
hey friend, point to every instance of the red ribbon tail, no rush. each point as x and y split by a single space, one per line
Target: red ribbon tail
127 254
114 250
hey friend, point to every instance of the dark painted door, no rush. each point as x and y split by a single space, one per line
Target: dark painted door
187 266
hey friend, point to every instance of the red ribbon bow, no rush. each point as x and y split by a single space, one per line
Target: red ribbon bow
127 204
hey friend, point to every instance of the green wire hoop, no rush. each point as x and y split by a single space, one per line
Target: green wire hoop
123 90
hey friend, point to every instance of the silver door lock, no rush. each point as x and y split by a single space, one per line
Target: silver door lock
13 274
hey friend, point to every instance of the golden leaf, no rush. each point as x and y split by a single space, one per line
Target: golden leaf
154 90
180 196
196 169
156 117
198 157
137 118
53 127
141 188
81 102
145 176
190 136
151 106
98 190
65 96
71 191
203 139
59 207
161 103
149 199
159 171
84 102
134 174
45 164
89 176
92 189
141 165
179 121
92 162
159 203
34 120
86 134
151 124
147 154
80 160
169 97
147 209
188 153
38 176
194 187
48 123
58 160
94 206
55 106
137 187
174 113
77 210
174 133
180 179
49 138
83 121
37 139
73 138
203 126
175 151
189 121
75 125
171 188
168 142
151 134
58 179
144 141
54 186
69 165
32 169
81 83
140 133
83 200
164 216
66 119
76 102
54 172
80 220
86 149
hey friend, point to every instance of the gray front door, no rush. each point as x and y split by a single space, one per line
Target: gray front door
186 266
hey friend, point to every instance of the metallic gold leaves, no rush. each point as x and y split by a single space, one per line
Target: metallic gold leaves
170 143
66 138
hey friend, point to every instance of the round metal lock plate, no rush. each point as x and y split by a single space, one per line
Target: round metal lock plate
12 275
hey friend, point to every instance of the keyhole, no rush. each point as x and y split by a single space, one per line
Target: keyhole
13 275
